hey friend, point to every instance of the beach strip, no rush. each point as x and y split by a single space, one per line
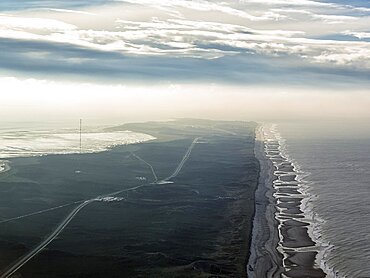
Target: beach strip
296 245
264 260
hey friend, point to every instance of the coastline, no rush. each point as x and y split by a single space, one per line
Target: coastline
283 244
321 248
296 224
264 260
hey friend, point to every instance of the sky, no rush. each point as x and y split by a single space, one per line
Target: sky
154 59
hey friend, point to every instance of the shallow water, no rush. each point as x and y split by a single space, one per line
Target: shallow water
296 222
338 168
16 142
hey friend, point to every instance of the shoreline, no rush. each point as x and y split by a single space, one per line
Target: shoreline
289 248
322 247
295 227
264 259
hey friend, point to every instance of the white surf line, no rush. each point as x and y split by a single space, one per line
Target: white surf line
279 149
147 163
182 162
38 212
27 257
264 260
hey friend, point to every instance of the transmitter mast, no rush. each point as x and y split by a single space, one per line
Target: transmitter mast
80 136
78 171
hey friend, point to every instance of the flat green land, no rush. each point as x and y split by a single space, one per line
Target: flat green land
197 226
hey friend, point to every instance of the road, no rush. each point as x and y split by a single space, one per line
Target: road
225 131
38 212
182 162
150 166
23 260
36 250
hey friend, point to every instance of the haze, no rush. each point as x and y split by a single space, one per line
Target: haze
119 61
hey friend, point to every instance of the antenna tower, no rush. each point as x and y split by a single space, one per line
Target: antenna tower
80 136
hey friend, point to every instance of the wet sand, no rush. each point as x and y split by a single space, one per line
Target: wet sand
293 226
283 213
264 260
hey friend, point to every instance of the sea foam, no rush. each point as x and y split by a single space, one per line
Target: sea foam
277 151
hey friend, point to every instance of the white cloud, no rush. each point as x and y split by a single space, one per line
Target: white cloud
33 23
205 6
68 11
264 27
360 35
351 56
290 3
334 19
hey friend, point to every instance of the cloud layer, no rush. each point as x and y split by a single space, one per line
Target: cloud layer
297 41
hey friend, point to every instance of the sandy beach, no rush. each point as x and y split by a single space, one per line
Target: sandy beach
295 243
280 233
265 260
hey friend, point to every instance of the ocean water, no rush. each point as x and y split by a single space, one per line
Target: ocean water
334 159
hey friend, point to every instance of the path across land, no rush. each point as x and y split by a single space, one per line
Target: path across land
37 249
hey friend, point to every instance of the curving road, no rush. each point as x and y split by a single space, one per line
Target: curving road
36 250
150 166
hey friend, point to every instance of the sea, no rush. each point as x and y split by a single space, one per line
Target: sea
333 159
